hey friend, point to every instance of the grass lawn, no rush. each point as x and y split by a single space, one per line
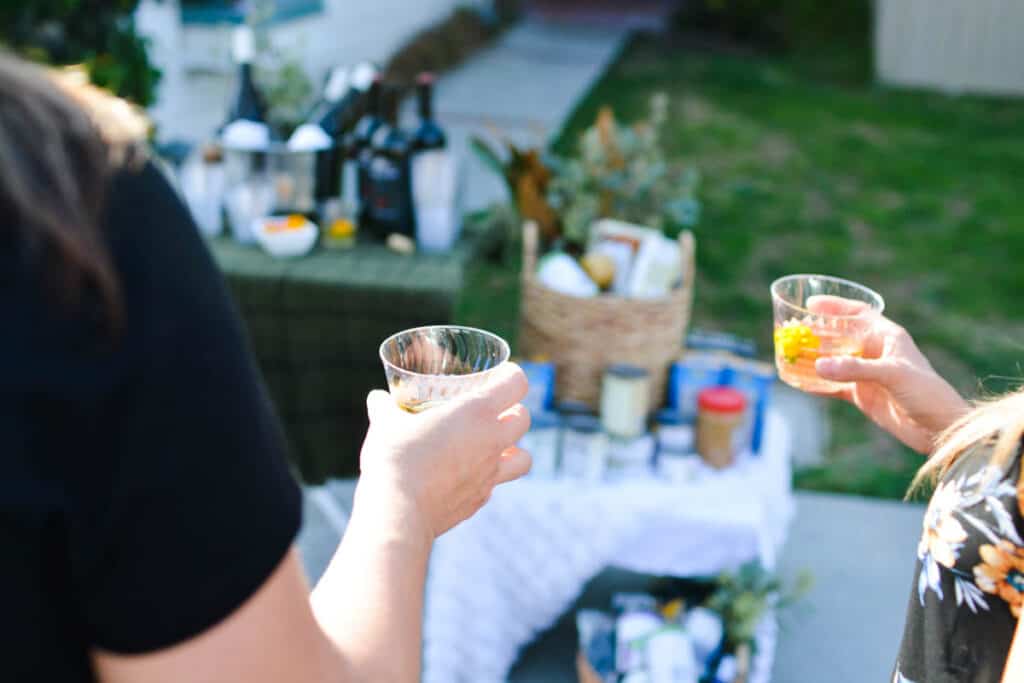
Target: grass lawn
920 196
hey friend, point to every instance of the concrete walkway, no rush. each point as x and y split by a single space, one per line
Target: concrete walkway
862 555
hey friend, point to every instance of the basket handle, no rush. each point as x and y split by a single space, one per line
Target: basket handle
530 236
688 257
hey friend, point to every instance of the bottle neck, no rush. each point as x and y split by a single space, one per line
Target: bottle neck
426 101
389 107
373 100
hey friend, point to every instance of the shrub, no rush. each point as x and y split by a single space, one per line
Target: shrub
783 24
97 33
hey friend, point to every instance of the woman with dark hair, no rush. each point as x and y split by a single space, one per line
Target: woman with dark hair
147 514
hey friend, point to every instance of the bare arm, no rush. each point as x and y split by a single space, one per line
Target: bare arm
422 474
378 575
1015 662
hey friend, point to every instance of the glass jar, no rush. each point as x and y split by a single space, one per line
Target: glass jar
584 448
630 458
338 222
625 399
720 416
636 621
677 457
542 443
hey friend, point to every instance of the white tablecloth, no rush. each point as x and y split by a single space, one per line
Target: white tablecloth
507 574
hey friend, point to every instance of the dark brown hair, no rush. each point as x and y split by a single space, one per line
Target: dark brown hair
55 167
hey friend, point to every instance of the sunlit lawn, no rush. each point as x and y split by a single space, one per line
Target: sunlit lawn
920 196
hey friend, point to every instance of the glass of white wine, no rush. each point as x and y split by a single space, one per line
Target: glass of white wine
426 366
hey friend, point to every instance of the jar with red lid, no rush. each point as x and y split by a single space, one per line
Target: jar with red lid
720 414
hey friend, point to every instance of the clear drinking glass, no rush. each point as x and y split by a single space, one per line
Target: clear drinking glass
426 366
817 316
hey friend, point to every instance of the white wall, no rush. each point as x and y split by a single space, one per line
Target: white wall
951 45
196 58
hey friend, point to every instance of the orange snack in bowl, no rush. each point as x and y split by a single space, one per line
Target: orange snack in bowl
291 222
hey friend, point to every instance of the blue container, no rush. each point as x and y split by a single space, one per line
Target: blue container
541 394
755 380
688 377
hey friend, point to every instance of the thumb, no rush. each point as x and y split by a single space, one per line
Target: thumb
379 405
850 369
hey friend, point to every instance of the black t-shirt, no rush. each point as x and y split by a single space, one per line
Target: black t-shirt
968 589
144 492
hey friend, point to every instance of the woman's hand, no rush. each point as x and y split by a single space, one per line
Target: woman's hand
892 383
437 468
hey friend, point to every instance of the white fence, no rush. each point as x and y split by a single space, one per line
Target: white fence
951 45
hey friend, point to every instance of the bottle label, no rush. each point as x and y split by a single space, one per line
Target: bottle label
386 202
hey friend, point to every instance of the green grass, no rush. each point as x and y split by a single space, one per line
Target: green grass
918 195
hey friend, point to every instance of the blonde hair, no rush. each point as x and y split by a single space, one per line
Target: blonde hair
1001 419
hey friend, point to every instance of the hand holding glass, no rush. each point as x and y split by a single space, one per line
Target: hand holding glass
817 316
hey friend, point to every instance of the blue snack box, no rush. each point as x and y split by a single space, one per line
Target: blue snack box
691 375
755 380
541 377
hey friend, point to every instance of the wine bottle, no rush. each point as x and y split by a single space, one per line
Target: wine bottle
324 113
389 188
328 123
248 103
357 147
429 135
347 106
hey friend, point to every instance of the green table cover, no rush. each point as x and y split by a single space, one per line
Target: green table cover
316 324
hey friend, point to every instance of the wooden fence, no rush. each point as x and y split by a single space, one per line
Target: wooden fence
951 45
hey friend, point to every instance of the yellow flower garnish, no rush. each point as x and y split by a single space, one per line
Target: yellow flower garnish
793 340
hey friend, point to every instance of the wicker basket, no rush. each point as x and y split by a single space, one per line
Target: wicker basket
583 336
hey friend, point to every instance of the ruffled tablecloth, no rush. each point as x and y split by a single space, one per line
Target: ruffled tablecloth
499 579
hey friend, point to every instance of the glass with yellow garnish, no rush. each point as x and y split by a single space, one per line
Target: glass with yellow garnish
818 316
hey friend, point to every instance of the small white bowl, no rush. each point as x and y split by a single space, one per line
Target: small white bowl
290 243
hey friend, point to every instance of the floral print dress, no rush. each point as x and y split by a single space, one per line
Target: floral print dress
968 586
